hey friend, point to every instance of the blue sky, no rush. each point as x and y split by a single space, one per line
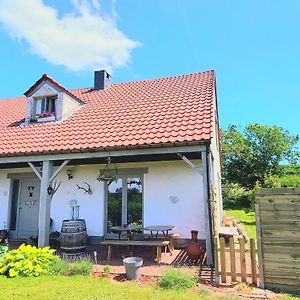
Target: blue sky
254 47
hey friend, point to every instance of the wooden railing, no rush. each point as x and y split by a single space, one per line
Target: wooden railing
235 260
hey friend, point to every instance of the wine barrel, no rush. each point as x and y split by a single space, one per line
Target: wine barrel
73 236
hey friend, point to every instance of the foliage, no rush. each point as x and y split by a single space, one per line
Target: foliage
27 261
80 287
176 279
106 269
252 155
59 266
3 250
80 267
235 196
290 181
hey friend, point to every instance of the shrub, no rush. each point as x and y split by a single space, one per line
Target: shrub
106 269
290 181
59 266
176 279
80 267
235 196
27 261
3 250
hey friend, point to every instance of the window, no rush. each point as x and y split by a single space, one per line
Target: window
45 107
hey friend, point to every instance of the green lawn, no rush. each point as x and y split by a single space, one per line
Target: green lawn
247 220
79 287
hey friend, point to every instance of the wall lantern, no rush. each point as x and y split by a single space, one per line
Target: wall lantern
70 174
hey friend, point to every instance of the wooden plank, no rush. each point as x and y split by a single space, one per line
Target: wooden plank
158 254
281 227
253 261
232 259
243 259
280 207
136 243
277 191
216 258
222 260
259 246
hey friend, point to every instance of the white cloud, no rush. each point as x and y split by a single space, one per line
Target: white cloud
83 39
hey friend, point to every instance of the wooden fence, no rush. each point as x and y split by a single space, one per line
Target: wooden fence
278 238
235 260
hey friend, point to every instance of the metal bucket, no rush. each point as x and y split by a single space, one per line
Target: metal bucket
133 267
73 236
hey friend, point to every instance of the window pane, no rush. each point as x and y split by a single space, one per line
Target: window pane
114 209
135 201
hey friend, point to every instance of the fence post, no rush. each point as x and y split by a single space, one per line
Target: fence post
243 260
223 260
232 259
259 247
216 257
253 261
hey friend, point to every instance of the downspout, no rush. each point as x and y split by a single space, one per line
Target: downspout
208 201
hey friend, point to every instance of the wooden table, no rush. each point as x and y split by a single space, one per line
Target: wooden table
130 230
159 228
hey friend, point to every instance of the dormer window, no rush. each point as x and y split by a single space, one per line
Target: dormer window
44 109
47 101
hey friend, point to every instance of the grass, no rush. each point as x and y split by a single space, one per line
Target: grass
80 287
247 220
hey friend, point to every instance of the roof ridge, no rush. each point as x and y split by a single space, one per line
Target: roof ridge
150 79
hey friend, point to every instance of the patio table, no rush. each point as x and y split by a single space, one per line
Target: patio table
130 230
159 228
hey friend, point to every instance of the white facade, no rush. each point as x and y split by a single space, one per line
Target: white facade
173 194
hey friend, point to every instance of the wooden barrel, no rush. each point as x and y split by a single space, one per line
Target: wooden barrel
73 236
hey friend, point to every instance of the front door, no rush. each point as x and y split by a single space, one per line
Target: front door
28 208
125 202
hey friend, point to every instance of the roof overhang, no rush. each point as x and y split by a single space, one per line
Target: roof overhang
130 154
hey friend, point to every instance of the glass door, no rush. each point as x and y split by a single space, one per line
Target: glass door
124 202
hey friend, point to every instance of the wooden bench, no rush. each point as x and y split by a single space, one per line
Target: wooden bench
154 243
169 238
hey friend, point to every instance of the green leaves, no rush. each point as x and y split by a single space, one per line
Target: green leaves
254 154
27 261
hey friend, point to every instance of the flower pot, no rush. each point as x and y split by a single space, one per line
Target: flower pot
133 267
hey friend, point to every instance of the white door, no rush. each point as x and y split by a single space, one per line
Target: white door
28 208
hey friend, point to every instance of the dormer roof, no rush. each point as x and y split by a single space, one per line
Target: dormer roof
45 78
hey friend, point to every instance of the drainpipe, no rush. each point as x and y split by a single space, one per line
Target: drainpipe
209 200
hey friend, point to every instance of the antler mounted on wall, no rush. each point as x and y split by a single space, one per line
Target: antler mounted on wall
87 190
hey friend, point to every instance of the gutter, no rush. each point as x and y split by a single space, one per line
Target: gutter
209 202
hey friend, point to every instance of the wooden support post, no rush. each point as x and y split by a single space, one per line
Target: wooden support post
216 260
243 260
232 259
45 202
158 254
223 260
253 261
109 252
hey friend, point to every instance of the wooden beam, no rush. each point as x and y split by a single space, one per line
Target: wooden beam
35 170
115 153
59 169
190 163
45 201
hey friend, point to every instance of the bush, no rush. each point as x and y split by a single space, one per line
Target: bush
80 267
235 196
290 181
27 261
106 269
59 266
176 279
3 250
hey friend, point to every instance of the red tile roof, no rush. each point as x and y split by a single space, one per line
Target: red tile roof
158 112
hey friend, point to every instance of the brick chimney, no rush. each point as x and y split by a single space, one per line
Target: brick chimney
102 80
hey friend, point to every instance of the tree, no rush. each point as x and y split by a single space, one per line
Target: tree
256 153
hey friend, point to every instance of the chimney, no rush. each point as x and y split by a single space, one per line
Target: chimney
101 80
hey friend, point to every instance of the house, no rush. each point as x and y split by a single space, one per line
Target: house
161 137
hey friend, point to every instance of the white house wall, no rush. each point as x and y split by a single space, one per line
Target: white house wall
173 195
